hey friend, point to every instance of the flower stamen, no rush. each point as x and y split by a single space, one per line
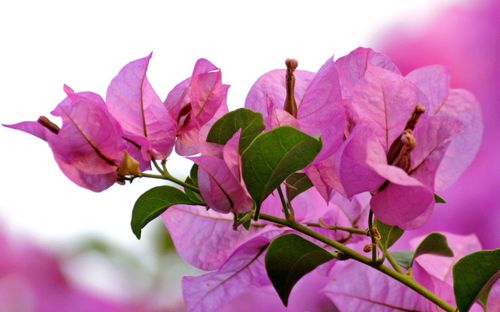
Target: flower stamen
290 103
52 127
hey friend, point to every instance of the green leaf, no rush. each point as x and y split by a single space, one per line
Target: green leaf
289 258
250 122
193 175
296 184
403 258
388 234
472 274
438 199
273 156
153 203
436 244
193 180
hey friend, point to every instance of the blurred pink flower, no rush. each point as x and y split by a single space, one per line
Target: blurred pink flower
31 279
466 39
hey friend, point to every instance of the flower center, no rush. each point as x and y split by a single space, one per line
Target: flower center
400 150
290 103
52 127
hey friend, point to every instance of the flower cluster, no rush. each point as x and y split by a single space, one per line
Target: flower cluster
315 154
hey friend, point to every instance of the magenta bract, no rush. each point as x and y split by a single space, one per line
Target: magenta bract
145 120
89 147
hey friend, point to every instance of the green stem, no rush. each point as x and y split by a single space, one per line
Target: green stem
338 228
403 278
160 170
372 236
392 261
284 203
171 179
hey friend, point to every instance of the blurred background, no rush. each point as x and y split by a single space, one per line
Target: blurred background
55 235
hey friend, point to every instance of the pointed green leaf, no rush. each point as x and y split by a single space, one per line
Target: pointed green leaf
403 258
436 244
297 183
472 274
250 122
438 199
289 258
388 234
153 203
273 156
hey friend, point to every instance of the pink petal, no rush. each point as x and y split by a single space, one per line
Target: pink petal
356 160
231 155
441 267
93 182
463 106
33 128
270 89
279 118
243 271
90 139
219 188
320 174
435 272
207 91
434 82
494 297
177 99
386 100
379 292
304 297
352 67
132 100
356 209
96 182
205 239
407 206
321 111
433 135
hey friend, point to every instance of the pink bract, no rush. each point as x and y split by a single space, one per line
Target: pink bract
145 120
194 104
89 147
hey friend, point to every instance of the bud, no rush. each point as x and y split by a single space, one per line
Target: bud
52 127
367 248
290 105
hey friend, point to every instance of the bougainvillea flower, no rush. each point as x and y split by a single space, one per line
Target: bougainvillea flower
400 142
317 98
433 272
220 181
464 38
236 257
194 104
350 69
145 120
89 147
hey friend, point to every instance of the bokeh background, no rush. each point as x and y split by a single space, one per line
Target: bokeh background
56 235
